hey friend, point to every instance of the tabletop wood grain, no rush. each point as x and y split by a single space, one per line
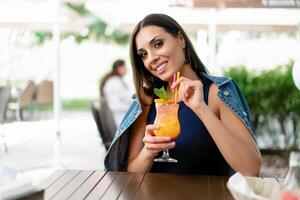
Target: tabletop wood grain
89 184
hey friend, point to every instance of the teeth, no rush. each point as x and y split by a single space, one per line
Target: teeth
160 67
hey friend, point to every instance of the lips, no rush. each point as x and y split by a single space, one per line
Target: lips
161 67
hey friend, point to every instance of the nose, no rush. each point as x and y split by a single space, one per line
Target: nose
153 57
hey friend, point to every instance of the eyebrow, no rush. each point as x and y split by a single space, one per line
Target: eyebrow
150 42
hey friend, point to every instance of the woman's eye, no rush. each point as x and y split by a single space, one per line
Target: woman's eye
142 55
158 43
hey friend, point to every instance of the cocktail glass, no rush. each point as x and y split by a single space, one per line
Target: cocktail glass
167 120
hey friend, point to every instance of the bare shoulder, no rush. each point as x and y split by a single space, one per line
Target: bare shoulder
213 100
213 90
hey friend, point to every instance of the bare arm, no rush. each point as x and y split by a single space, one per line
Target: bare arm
227 130
231 136
144 146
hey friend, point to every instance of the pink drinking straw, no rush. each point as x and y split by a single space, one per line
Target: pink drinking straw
174 77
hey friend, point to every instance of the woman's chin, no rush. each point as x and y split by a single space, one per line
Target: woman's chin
165 77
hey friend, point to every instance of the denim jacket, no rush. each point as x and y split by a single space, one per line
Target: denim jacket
117 155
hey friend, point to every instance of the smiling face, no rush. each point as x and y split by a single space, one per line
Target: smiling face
121 70
161 52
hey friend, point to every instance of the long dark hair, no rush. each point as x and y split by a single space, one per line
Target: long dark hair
144 81
113 72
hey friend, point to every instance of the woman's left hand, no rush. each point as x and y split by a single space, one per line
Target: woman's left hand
190 92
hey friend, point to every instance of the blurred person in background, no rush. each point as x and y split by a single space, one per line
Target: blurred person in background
115 91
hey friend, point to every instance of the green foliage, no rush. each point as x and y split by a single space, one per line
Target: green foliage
41 37
271 94
80 8
43 107
98 30
69 105
268 92
76 104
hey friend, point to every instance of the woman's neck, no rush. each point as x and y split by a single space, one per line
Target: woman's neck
188 72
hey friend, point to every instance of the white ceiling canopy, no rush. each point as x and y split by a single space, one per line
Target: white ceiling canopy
237 3
124 14
38 16
116 12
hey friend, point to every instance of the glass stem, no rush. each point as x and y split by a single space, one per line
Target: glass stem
166 154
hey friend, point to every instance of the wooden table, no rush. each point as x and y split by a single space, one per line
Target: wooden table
85 184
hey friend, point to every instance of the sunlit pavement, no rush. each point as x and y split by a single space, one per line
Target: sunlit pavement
31 145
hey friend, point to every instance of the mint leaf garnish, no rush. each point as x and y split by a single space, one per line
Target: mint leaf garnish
169 94
161 93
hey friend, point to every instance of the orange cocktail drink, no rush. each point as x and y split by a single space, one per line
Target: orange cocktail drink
167 119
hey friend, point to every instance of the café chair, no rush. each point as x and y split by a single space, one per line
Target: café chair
44 94
104 120
24 100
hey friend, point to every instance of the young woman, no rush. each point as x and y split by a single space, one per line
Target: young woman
216 130
114 89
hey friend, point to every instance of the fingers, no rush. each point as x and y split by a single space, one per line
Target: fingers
156 139
149 135
155 148
155 144
160 146
151 138
150 128
180 84
186 87
182 81
177 82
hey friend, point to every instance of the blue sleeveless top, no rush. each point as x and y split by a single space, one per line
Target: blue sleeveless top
195 149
